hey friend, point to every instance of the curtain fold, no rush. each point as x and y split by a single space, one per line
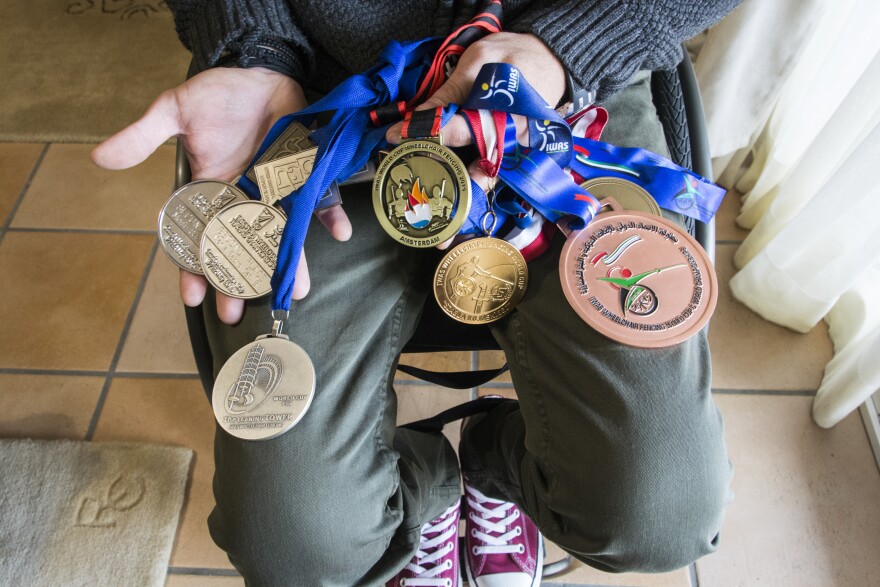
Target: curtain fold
792 96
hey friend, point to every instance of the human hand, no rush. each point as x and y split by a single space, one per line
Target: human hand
543 70
220 116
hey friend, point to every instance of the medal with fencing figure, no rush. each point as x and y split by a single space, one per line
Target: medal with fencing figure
422 191
265 388
482 279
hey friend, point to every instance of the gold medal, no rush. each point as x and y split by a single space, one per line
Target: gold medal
629 195
480 280
422 193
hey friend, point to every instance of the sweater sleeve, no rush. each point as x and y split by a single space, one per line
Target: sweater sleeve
603 43
243 33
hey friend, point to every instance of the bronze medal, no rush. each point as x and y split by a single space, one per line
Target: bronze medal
638 279
422 193
480 280
628 194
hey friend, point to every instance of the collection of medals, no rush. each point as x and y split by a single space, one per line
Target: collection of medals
211 228
422 196
629 273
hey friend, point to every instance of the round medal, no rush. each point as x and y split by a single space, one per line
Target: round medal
184 216
638 279
264 389
239 249
630 195
421 193
480 280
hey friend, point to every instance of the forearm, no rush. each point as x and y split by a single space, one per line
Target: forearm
244 33
603 42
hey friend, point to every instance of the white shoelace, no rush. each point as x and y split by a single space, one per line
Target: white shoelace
483 511
424 564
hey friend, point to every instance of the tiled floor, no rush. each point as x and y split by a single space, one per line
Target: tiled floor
93 346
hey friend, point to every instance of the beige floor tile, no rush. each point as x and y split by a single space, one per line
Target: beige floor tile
158 340
203 581
67 304
749 352
581 574
726 228
416 402
493 360
69 191
805 512
47 406
451 361
176 412
16 163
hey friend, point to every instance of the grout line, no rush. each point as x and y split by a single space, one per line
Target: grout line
496 384
203 572
118 375
81 230
99 407
23 192
475 366
767 392
695 580
65 372
149 375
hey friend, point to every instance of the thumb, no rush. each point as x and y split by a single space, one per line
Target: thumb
136 142
454 91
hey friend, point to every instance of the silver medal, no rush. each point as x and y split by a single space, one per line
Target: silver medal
265 388
239 249
184 216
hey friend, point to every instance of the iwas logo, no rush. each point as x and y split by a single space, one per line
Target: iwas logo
551 137
504 87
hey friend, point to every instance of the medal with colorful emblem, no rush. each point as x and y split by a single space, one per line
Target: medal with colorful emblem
422 191
638 279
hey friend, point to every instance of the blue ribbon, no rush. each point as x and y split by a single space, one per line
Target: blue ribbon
674 188
535 173
501 87
344 145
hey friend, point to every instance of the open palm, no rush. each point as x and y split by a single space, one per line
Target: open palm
220 117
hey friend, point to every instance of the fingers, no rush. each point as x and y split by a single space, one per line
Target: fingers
303 282
229 310
136 142
336 221
192 288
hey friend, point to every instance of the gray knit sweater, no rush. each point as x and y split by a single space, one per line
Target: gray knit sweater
601 42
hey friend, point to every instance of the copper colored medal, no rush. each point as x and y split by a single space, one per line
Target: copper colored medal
638 279
480 280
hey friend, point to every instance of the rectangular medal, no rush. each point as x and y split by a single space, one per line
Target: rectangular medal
294 139
278 178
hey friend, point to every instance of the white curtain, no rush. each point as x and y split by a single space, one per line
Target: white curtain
792 96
